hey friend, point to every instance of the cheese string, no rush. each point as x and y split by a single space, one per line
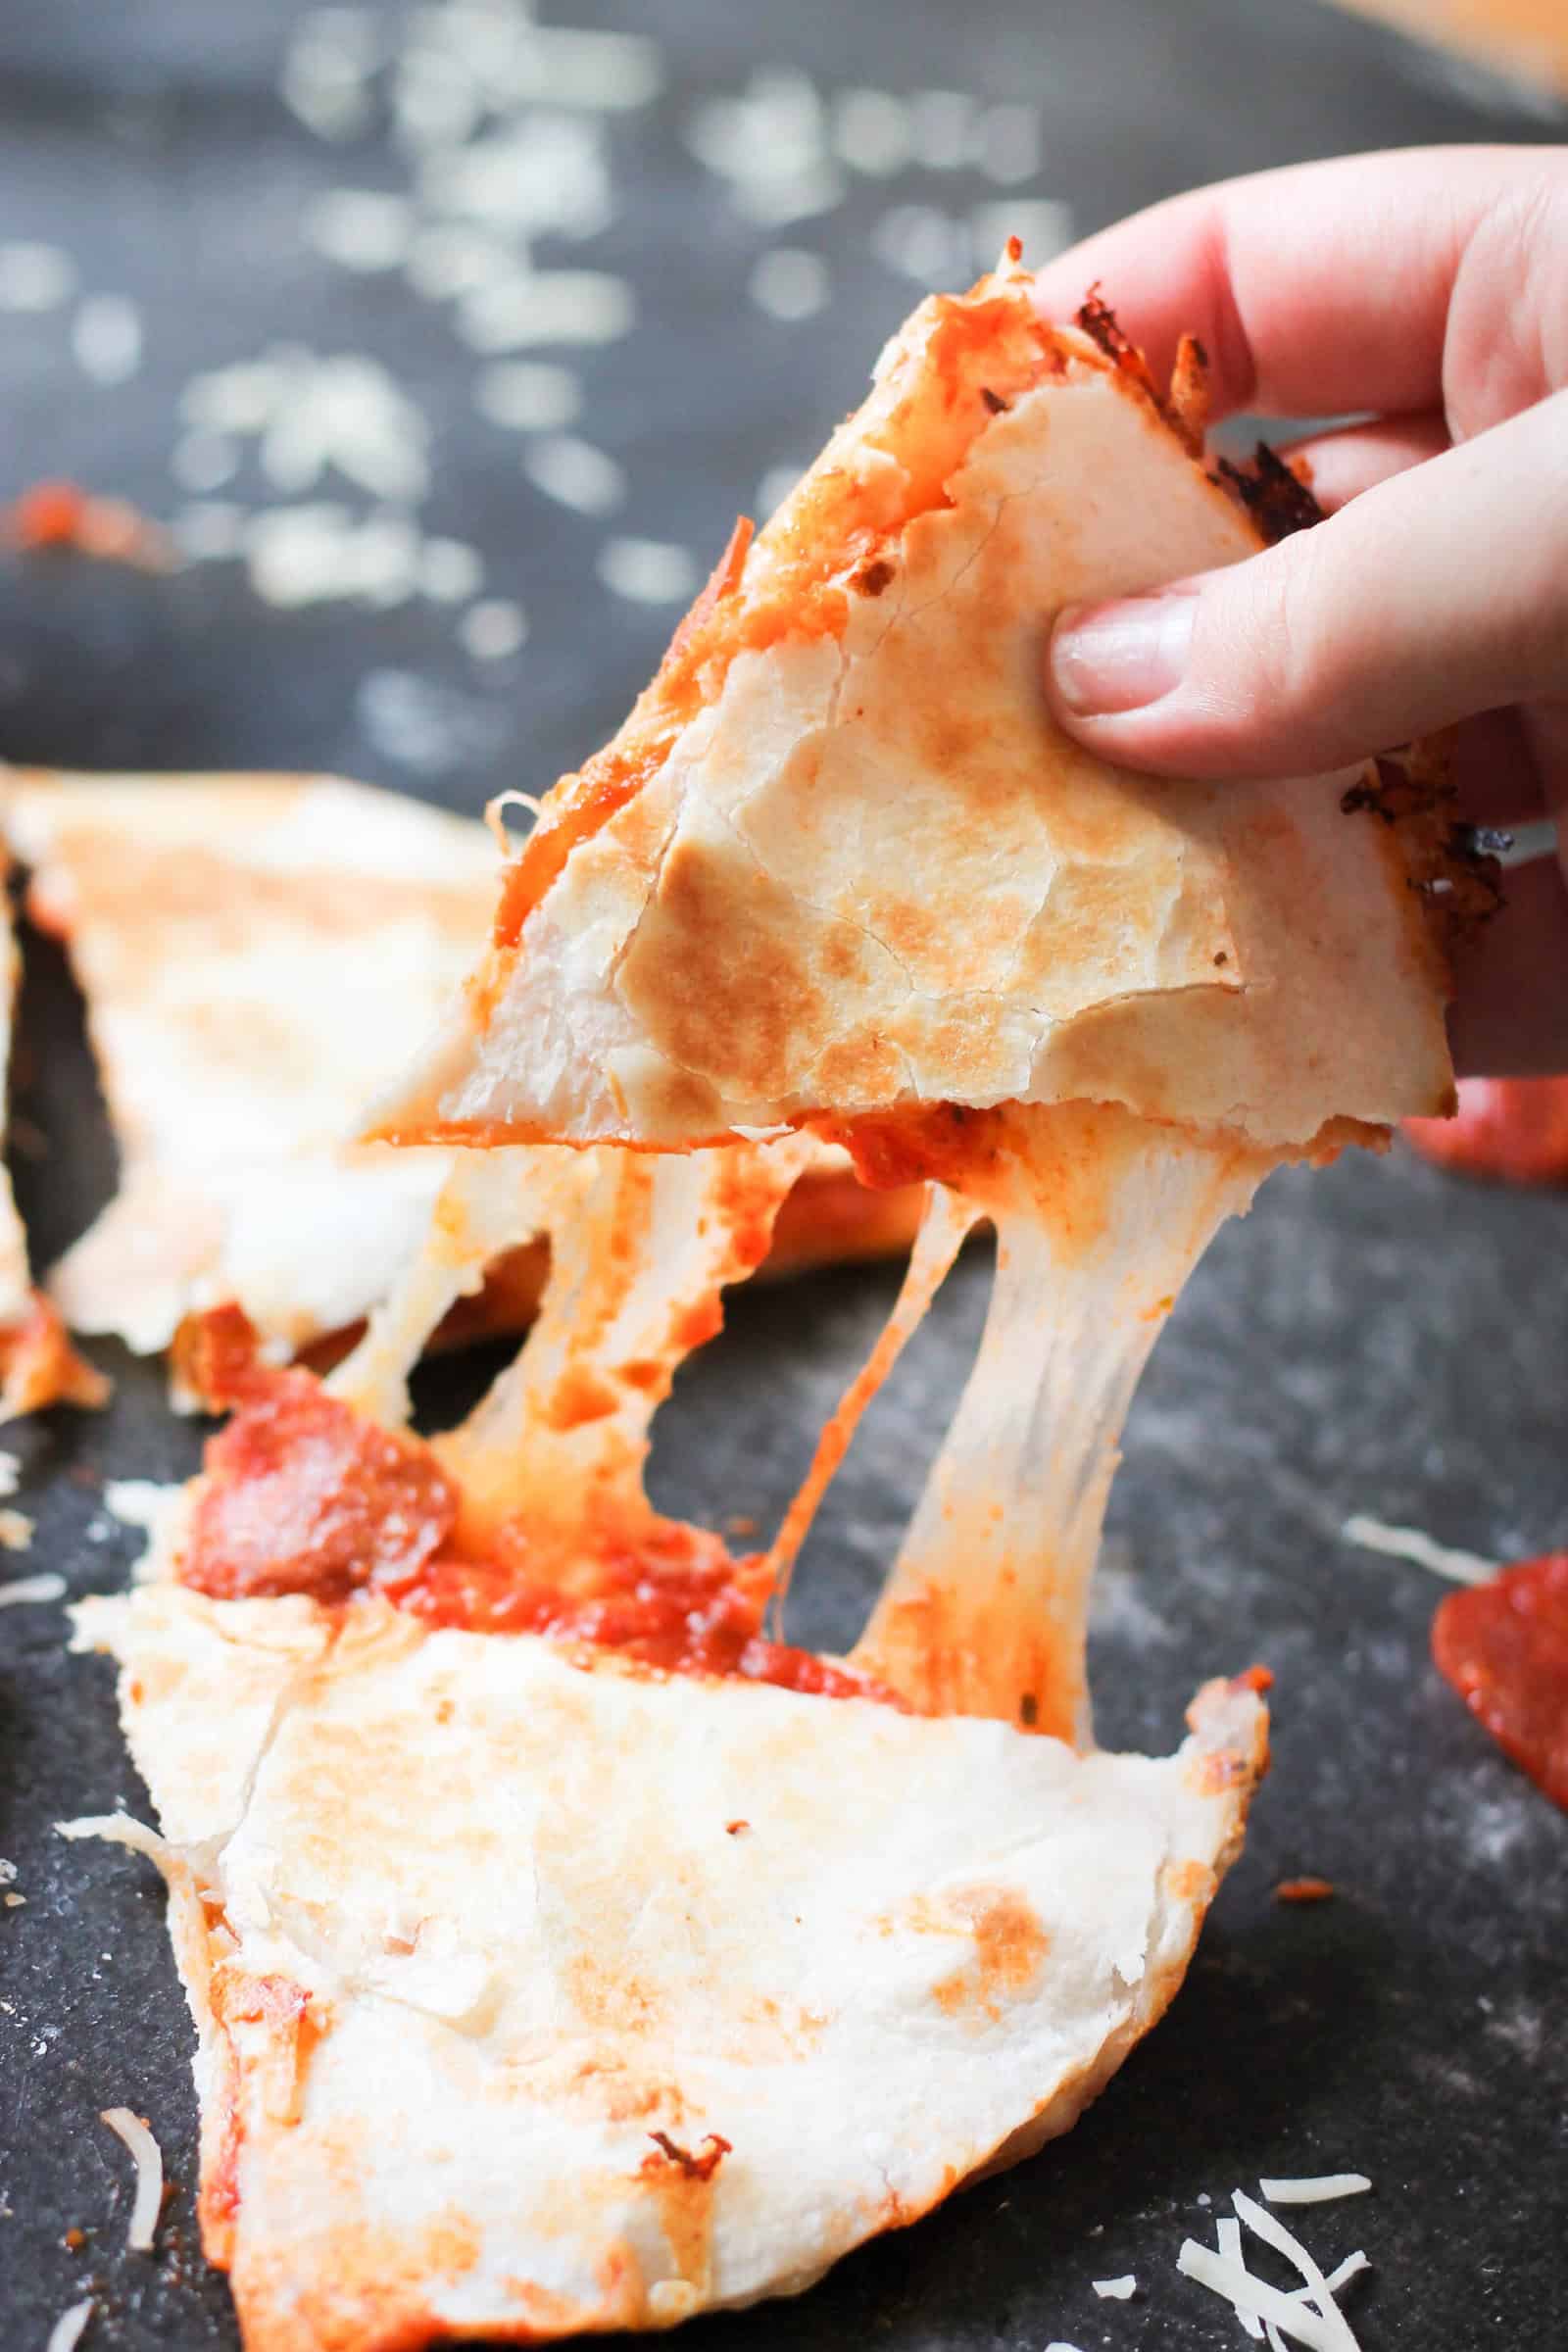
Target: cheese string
946 1223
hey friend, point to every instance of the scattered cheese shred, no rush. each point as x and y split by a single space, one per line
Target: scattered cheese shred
119 1828
32 1588
1304 2315
67 2332
1227 2230
1248 2295
1116 2291
15 1530
1316 2191
148 2160
1409 1543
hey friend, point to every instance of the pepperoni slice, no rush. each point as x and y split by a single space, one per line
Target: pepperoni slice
1503 1645
1513 1128
301 1495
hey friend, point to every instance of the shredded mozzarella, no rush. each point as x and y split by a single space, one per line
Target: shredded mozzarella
493 629
148 2159
106 338
119 1829
15 1530
1246 2294
790 284
1305 2315
576 473
1227 2230
647 571
1409 1543
35 277
67 2332
1316 2191
1116 2291
32 1588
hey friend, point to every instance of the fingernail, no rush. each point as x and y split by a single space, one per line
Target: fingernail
1121 656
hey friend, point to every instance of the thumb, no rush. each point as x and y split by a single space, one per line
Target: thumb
1440 592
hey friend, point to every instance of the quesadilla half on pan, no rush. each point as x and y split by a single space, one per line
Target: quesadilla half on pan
568 1949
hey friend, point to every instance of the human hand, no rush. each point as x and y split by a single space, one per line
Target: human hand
1431 289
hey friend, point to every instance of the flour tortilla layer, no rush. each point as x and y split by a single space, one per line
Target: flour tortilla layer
544 1909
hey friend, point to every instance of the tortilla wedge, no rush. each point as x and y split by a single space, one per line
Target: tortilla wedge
840 861
254 951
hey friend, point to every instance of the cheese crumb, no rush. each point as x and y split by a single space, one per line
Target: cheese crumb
32 1588
494 629
359 229
789 284
35 277
528 396
106 338
1116 2291
647 571
15 1530
65 2333
575 474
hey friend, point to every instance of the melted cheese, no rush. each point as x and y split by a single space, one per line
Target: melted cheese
1100 1218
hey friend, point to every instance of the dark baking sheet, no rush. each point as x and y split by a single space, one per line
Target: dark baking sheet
1378 1339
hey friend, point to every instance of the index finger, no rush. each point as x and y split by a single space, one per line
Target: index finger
1318 288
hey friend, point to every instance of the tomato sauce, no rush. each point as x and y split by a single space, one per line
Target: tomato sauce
1503 1645
300 1494
937 1142
702 1618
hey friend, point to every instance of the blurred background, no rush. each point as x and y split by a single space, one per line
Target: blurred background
446 341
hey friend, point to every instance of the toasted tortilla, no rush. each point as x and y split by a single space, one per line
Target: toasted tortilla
840 859
616 2011
254 951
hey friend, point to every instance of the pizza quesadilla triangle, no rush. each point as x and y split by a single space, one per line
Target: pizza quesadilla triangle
568 1949
839 860
254 951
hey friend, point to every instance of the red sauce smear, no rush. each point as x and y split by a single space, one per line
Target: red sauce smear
1503 1645
109 530
917 1144
301 1494
696 1619
1515 1129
